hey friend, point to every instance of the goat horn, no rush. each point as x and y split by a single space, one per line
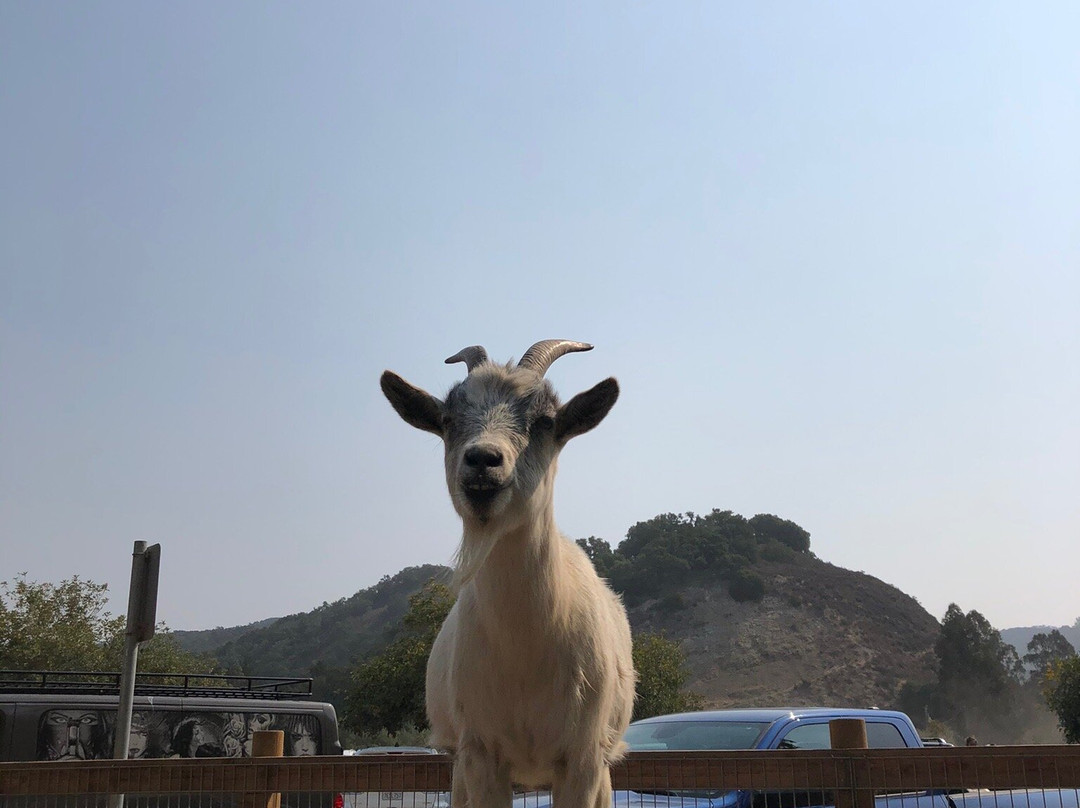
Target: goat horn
472 356
540 356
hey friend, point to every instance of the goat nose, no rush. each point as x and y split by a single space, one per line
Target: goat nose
481 457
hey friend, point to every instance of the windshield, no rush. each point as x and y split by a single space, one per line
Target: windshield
694 735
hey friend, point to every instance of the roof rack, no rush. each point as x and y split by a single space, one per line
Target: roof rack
156 684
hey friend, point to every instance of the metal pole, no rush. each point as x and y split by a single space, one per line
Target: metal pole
127 673
127 699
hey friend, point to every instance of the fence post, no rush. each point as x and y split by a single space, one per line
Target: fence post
265 743
850 733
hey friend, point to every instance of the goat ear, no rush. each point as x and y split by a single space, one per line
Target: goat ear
585 410
417 407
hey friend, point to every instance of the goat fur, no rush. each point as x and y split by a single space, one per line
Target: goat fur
531 678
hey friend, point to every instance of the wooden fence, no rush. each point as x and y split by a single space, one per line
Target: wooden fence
853 775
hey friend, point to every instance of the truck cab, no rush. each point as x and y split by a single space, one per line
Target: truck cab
766 729
794 728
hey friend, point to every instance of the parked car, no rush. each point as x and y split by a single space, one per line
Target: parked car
397 799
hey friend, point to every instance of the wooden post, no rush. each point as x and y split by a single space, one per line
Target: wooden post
850 733
265 743
847 733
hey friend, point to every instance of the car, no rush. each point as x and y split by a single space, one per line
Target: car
395 750
396 799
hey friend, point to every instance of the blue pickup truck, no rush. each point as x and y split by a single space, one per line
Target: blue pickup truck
762 729
790 729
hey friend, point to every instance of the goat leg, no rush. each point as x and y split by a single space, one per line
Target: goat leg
478 773
586 785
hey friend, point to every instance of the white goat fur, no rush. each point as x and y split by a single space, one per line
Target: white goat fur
531 678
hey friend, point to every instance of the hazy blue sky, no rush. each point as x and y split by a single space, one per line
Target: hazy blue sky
831 251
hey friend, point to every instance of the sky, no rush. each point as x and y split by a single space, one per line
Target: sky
831 252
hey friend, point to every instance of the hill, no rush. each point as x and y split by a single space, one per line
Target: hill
210 639
333 635
761 619
820 635
1020 636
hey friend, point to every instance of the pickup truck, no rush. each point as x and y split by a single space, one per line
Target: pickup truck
791 729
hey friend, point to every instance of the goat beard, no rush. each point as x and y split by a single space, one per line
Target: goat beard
471 555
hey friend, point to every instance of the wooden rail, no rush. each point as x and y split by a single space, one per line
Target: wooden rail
865 770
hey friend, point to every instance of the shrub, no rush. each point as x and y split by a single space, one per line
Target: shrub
671 603
746 586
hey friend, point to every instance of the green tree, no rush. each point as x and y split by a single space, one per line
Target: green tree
672 549
655 569
388 689
599 553
767 526
1061 689
428 609
979 676
662 675
331 683
66 626
1044 650
161 654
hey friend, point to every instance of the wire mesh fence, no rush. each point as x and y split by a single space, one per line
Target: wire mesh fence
983 777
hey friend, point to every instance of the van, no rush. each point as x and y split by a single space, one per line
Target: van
49 715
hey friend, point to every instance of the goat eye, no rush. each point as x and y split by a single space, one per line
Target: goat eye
544 422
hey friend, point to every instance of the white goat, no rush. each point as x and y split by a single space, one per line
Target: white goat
531 679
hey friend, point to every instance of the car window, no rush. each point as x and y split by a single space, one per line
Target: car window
87 733
883 736
693 735
806 736
879 735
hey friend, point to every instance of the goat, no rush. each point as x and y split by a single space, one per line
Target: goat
531 678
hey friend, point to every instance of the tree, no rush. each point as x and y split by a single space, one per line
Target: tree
767 526
660 665
599 553
388 689
979 675
651 572
671 550
1044 650
66 626
1061 689
331 683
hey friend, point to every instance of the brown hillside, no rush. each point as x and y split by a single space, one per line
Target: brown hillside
822 635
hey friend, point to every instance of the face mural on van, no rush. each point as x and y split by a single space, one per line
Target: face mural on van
301 735
151 735
86 734
74 735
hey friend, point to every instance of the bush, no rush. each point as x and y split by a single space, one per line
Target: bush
746 586
671 603
661 667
